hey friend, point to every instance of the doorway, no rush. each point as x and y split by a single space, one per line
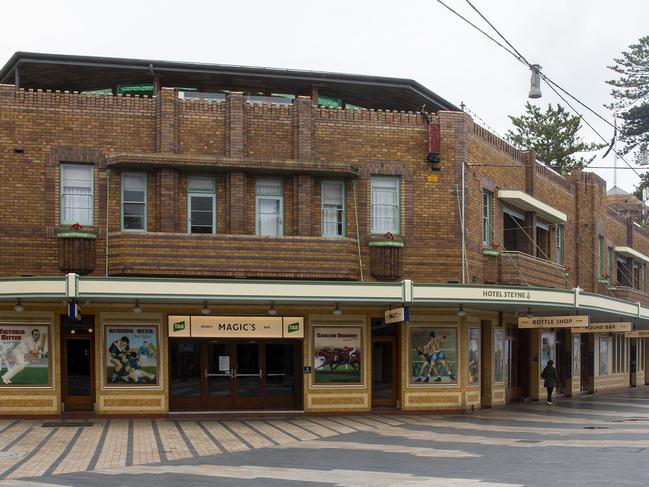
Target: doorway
563 362
587 361
218 375
385 339
77 364
517 353
633 366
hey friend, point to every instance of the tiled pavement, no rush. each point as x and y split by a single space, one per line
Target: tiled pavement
593 440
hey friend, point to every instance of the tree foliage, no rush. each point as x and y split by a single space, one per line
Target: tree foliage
631 94
552 135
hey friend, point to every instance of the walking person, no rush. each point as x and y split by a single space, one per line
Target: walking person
549 374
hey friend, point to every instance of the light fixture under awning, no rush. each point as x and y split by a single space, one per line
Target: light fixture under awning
524 201
629 252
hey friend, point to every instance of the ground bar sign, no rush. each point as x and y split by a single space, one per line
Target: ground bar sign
553 322
622 326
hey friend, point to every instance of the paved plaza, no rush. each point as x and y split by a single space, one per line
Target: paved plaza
588 441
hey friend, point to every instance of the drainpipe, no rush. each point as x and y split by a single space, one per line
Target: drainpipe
462 225
107 214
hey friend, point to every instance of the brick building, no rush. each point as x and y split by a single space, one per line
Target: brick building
231 238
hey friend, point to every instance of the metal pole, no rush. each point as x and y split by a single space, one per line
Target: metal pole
615 153
462 225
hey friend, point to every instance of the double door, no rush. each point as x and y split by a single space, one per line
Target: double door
221 375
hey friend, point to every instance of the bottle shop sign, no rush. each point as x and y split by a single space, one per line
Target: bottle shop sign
553 322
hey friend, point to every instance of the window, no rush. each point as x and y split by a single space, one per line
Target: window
385 204
487 217
560 243
514 237
611 259
603 355
600 256
623 273
270 207
201 204
333 209
134 201
543 241
618 344
76 194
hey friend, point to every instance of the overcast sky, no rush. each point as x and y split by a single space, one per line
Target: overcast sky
573 40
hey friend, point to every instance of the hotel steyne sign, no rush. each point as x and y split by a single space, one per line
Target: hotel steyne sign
236 326
621 326
553 322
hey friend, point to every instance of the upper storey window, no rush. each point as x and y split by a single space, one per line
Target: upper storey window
76 194
134 201
269 197
385 204
333 209
201 204
487 217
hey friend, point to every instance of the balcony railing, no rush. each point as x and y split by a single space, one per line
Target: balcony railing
244 256
517 268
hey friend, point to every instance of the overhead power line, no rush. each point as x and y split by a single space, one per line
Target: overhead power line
552 84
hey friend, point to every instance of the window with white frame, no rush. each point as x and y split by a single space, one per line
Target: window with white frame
201 204
385 204
269 198
76 194
333 209
134 201
487 217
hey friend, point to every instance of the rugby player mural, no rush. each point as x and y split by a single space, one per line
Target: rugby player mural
24 357
131 354
337 355
433 355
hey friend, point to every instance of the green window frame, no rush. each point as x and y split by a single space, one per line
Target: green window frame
600 256
560 244
487 217
77 194
611 260
386 205
333 208
201 204
134 202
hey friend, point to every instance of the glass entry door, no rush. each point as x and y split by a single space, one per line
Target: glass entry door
219 375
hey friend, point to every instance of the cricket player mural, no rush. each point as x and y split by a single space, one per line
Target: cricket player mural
24 356
433 355
132 354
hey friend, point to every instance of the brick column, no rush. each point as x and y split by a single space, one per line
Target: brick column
529 158
236 184
234 125
303 205
303 129
166 118
168 201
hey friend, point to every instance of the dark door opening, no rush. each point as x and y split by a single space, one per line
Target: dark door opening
385 339
564 360
213 375
77 371
518 364
633 366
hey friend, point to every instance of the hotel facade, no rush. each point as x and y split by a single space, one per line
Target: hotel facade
183 237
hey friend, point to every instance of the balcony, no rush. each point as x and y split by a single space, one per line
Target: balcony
516 268
240 256
631 294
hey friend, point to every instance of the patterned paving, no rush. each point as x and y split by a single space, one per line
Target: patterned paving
610 427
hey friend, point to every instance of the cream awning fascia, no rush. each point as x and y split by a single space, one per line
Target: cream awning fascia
629 252
526 202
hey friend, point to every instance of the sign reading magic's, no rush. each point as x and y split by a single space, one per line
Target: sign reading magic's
236 327
553 322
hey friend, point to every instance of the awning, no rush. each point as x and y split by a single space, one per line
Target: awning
524 201
629 252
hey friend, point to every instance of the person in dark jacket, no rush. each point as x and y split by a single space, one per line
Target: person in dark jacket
549 374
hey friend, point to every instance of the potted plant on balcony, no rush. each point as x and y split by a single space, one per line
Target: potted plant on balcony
493 249
603 279
76 249
385 257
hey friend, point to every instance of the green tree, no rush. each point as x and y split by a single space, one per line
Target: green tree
552 135
644 183
631 93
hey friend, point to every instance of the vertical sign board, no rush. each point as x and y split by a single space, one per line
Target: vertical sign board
397 315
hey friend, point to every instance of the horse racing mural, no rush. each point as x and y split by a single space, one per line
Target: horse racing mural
433 355
337 355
